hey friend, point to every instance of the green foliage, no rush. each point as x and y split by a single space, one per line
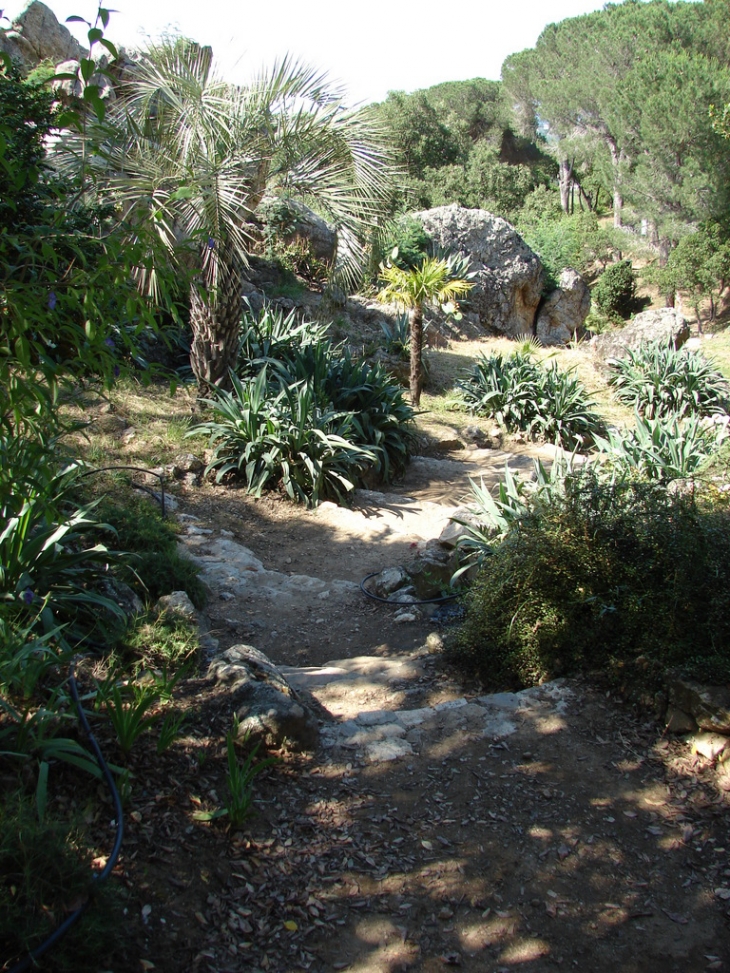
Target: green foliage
610 576
662 449
45 871
397 336
405 242
155 566
615 291
436 280
167 642
522 395
126 706
284 439
308 416
659 380
51 571
239 779
578 241
272 335
699 266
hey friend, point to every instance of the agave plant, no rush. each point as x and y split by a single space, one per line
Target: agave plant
659 380
661 449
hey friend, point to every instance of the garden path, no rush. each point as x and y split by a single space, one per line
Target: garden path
437 826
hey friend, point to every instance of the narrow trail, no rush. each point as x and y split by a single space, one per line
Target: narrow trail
437 826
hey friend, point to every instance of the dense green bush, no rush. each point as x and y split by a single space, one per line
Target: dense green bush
523 395
154 566
578 241
615 290
611 576
659 380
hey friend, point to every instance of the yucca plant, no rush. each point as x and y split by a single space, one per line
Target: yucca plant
661 449
273 335
565 414
505 387
659 380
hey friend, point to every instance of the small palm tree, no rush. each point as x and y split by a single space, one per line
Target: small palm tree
433 281
193 156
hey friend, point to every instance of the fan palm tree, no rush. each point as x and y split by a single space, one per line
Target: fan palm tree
195 155
433 281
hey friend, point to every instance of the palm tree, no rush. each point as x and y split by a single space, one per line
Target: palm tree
433 281
194 156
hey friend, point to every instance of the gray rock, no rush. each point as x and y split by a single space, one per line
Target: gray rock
679 722
709 745
388 581
662 324
177 603
456 526
36 35
564 310
296 222
708 705
266 707
187 463
67 89
509 276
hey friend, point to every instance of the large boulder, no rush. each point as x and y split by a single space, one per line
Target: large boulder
35 35
293 222
660 324
266 707
564 310
509 276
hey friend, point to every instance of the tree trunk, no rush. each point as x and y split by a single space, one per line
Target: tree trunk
416 378
565 180
215 320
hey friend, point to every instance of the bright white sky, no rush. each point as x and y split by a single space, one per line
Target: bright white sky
372 47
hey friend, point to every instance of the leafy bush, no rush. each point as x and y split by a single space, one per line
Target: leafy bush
578 241
611 576
615 290
155 567
306 414
44 873
524 396
659 380
406 236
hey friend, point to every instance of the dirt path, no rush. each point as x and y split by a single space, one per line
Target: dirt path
437 827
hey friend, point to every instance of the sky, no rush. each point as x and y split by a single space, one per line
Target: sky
370 48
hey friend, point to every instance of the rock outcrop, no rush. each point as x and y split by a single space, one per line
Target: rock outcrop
509 276
564 310
35 35
265 705
659 324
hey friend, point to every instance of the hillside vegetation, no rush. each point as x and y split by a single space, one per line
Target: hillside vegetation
129 232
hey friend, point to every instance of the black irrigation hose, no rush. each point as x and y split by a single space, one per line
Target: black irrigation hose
139 469
402 604
61 930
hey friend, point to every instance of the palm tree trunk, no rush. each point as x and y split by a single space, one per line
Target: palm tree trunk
416 378
215 320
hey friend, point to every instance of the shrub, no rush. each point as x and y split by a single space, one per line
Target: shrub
524 396
155 566
615 290
659 380
612 576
